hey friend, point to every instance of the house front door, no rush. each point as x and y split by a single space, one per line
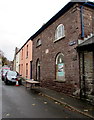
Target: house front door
38 71
87 74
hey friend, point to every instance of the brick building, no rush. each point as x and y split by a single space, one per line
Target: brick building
55 47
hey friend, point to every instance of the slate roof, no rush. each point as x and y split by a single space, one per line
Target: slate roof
55 17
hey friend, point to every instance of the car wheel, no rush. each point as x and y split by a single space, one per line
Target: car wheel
6 82
2 79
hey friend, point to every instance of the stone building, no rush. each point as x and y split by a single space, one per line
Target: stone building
17 61
57 49
14 60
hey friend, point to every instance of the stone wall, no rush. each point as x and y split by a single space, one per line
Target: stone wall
49 49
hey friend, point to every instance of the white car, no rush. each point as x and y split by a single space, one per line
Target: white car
3 72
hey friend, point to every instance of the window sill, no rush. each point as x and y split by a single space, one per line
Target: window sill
59 39
38 46
62 81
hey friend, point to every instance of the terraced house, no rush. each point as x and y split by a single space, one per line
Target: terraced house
24 60
63 51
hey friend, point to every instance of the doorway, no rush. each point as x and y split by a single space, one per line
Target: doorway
87 74
30 69
38 70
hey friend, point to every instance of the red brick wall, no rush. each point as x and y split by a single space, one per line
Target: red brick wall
71 21
88 21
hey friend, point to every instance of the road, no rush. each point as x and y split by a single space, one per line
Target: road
19 102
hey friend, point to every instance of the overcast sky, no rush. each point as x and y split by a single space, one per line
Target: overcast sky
20 19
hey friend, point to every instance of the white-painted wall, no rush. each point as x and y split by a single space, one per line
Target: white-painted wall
17 61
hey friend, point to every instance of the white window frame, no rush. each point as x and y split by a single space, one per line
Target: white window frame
59 32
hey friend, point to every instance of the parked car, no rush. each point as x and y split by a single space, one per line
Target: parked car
3 72
11 77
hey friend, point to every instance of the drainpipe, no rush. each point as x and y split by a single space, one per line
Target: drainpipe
82 18
82 21
92 5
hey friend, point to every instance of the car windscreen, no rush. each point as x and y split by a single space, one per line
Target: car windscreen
12 73
5 70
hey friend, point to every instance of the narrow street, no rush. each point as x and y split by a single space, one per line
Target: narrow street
47 50
19 102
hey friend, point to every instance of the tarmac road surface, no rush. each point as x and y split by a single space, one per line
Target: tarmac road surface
19 102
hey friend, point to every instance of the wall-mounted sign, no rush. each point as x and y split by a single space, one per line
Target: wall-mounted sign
60 69
47 51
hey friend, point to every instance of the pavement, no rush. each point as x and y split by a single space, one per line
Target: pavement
70 102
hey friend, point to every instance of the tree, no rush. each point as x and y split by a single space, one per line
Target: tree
5 61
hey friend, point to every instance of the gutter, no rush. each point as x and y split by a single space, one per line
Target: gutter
89 4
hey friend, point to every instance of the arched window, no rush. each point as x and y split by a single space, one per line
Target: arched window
60 32
38 42
60 67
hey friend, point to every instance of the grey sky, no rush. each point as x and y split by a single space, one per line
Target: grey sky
19 19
